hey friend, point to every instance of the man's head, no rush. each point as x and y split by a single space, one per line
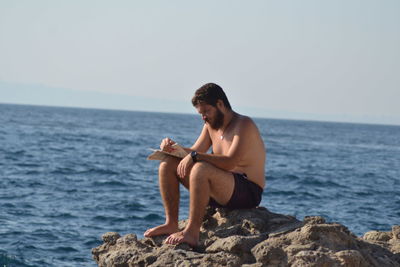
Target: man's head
212 103
210 93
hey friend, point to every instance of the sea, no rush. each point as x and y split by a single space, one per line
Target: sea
69 175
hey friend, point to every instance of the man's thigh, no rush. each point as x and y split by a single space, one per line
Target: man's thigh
221 182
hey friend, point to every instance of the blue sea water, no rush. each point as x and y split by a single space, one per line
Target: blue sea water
69 175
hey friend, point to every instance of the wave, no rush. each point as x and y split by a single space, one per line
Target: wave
46 234
93 242
112 183
135 206
153 217
15 153
114 219
279 193
25 164
62 216
63 170
64 250
70 171
12 261
8 205
318 183
32 172
100 171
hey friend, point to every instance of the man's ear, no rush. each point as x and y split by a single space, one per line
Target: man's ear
220 104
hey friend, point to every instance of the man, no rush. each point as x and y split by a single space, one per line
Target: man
233 176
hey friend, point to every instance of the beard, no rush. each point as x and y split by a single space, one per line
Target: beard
218 121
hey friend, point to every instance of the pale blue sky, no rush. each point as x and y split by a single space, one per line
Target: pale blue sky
324 60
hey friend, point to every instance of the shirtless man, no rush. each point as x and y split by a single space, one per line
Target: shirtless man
233 176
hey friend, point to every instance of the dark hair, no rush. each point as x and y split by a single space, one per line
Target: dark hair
210 93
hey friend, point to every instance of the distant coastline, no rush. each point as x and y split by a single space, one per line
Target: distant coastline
193 114
42 95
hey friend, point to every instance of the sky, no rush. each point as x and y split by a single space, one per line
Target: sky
313 60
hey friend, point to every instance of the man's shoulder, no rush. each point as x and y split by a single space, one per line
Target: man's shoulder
247 127
245 121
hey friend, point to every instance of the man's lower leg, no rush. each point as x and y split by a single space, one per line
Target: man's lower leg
169 189
199 198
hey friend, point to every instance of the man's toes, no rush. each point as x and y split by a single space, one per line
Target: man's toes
174 240
148 232
170 240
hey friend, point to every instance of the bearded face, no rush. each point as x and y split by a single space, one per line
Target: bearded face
211 115
217 121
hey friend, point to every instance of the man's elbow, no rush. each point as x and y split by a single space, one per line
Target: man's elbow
231 164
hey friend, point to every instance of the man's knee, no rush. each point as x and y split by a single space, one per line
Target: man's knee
199 169
168 164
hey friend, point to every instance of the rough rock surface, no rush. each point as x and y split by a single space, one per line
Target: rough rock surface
256 237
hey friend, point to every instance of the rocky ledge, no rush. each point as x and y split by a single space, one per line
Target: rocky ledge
256 237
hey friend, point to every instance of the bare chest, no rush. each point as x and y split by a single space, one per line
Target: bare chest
221 143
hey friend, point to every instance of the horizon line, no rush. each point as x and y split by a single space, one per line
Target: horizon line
184 113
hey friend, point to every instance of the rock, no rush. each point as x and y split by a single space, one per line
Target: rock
314 220
396 232
377 236
236 244
269 254
256 237
388 240
351 258
110 237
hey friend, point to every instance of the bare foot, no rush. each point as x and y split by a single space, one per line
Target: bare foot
183 237
164 229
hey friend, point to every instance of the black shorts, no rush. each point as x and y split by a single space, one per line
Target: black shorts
246 194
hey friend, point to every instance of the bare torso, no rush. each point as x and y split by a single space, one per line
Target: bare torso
252 160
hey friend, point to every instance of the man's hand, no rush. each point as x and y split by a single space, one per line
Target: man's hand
185 166
166 145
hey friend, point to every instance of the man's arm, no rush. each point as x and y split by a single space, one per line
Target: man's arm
202 143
